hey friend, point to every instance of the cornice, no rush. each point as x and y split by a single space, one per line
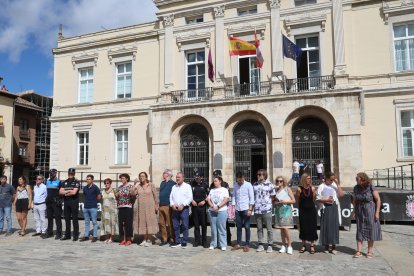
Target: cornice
326 7
130 51
397 8
84 58
306 19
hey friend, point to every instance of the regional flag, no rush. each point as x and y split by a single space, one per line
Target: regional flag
240 47
210 67
290 49
259 56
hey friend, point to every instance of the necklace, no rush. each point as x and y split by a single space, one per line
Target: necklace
307 194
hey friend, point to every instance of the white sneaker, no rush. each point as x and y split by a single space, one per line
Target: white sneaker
223 249
290 250
148 243
211 248
143 243
269 249
282 249
260 248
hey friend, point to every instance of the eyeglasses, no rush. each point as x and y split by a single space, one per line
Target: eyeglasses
260 174
279 181
39 178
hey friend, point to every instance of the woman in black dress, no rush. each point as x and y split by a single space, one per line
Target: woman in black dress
305 196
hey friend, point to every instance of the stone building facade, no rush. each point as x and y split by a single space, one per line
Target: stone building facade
139 98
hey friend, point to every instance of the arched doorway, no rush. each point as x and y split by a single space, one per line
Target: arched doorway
249 149
310 143
195 151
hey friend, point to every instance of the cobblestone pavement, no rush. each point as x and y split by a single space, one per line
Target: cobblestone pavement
32 255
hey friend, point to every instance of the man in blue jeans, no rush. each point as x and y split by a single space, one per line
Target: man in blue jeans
243 200
92 194
7 194
180 199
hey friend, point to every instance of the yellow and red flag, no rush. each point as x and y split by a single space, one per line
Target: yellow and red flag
240 47
259 56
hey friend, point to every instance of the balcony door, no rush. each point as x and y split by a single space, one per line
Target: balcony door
308 66
249 77
196 75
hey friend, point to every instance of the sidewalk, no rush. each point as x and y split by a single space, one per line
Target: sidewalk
23 255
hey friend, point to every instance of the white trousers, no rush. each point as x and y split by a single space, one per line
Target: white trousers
40 218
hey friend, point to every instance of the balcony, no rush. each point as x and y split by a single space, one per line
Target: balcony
24 134
247 90
311 84
196 95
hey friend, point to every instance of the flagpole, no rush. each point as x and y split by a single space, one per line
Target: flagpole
231 70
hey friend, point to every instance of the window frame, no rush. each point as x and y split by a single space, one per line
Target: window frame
187 64
123 162
23 149
85 150
194 20
124 74
406 39
305 2
400 106
88 78
247 11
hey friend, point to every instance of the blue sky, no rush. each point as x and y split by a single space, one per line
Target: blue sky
28 32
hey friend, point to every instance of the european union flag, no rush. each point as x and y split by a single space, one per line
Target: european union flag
290 49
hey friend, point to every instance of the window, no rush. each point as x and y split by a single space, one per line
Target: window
407 131
196 75
194 20
124 80
304 2
24 125
308 66
246 11
86 85
404 47
23 149
121 147
83 148
249 76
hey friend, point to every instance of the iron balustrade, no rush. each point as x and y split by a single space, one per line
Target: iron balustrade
248 89
192 95
397 178
309 84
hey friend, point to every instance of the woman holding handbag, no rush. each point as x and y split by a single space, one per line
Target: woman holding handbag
109 216
283 213
125 195
147 200
367 205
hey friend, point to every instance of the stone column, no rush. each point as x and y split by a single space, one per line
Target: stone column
168 51
276 42
339 46
219 66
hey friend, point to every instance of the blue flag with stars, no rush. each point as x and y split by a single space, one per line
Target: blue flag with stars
290 49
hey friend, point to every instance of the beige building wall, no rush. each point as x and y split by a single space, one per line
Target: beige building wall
361 110
6 133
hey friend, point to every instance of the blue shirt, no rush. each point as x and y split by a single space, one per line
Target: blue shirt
6 195
40 193
243 196
90 196
165 191
53 187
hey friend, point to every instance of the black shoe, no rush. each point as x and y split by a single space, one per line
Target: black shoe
195 244
205 245
44 236
94 239
64 238
174 245
184 245
83 239
36 234
75 238
163 243
58 237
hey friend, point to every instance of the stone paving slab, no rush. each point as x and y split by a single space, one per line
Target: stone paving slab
33 255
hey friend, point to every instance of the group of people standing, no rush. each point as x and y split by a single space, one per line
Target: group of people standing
139 209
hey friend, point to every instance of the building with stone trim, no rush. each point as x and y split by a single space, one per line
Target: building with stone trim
138 98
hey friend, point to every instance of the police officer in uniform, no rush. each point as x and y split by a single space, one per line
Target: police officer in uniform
53 205
70 192
224 185
198 209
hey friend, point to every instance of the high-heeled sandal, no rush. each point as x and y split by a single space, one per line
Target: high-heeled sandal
358 254
370 255
312 249
302 249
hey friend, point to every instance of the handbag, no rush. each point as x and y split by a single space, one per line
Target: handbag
231 212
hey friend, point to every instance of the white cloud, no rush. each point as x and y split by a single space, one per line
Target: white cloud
34 23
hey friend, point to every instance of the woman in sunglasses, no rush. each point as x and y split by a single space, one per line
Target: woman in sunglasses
109 216
283 213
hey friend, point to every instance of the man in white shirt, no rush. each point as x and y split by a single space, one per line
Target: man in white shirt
295 174
243 200
180 199
39 206
319 170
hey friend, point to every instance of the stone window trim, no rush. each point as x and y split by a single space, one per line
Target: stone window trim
397 11
391 22
305 24
122 55
82 127
85 60
402 105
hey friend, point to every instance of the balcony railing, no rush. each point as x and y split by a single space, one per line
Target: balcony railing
309 84
247 89
196 95
25 134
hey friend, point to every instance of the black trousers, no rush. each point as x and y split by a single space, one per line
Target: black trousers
228 233
54 211
200 220
125 219
71 209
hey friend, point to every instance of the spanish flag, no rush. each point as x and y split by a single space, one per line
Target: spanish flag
240 47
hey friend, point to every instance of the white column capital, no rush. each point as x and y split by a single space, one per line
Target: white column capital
219 11
274 4
168 20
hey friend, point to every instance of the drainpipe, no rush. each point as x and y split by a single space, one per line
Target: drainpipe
362 107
